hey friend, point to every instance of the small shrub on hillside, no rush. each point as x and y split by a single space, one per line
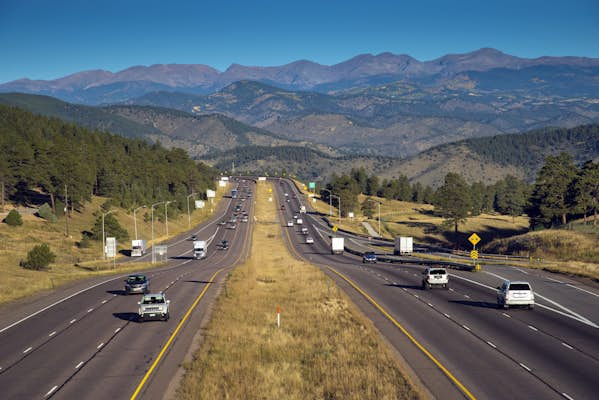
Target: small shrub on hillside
45 212
85 242
39 257
13 218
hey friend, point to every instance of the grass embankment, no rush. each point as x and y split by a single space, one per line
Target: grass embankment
73 262
324 348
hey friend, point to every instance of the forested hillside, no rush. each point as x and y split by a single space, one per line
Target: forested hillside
44 154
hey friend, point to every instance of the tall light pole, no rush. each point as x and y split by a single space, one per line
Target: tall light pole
188 214
330 204
154 254
338 197
379 203
166 214
103 234
135 219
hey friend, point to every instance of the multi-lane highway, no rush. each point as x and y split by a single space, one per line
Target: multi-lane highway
458 342
84 342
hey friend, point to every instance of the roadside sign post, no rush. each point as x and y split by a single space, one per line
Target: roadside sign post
474 239
278 316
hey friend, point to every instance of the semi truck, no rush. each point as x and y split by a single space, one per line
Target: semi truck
199 249
403 245
337 245
138 247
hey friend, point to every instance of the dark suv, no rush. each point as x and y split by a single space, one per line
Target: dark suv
224 245
369 257
137 283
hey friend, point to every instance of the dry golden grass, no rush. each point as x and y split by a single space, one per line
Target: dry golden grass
324 348
73 262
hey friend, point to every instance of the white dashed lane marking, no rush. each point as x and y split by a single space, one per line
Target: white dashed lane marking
27 350
52 334
79 365
51 391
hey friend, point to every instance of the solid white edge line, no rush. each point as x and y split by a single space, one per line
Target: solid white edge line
51 391
525 367
79 365
582 290
572 314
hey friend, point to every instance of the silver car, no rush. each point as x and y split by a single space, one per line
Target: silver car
154 306
517 293
137 283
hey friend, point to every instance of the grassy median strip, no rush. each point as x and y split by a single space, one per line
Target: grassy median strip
324 348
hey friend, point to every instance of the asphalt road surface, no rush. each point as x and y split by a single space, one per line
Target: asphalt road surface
85 342
457 341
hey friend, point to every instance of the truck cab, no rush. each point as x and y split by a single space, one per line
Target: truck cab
199 249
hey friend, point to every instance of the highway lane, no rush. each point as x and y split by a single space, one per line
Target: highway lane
550 352
91 345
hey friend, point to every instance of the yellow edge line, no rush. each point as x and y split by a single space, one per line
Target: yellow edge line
170 340
405 332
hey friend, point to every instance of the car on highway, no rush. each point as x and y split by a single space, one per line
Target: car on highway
369 257
282 206
222 222
232 225
193 237
224 245
517 293
304 230
290 223
309 240
435 276
154 306
244 218
137 283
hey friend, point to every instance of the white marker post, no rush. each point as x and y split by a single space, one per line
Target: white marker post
278 316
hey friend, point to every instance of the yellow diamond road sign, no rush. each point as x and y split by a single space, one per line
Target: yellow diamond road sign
474 239
334 228
474 254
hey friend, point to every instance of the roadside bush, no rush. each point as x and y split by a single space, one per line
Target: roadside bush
85 242
38 258
45 212
13 218
111 228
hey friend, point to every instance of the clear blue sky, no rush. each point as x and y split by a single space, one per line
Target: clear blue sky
47 39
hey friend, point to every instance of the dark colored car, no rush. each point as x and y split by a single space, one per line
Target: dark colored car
137 283
224 245
369 257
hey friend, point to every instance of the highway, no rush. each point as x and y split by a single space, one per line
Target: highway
457 342
84 341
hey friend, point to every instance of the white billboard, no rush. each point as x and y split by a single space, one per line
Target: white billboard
110 247
222 183
210 194
200 203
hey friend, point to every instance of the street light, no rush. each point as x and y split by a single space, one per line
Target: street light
103 234
339 197
152 208
379 203
188 214
166 214
330 204
135 219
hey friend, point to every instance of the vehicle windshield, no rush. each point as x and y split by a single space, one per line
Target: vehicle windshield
519 286
136 279
153 300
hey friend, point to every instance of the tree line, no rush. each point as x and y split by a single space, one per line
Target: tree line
562 191
69 164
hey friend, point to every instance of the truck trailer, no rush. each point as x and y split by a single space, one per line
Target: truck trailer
403 245
138 247
199 249
337 245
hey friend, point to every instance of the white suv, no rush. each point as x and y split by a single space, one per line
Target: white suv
517 293
435 276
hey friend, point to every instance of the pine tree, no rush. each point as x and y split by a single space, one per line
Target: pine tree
452 200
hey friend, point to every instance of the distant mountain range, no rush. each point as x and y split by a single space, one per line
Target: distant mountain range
103 87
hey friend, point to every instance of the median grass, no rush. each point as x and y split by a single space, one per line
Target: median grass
324 348
74 262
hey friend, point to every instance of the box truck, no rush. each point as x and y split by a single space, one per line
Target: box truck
199 249
403 245
337 245
138 247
